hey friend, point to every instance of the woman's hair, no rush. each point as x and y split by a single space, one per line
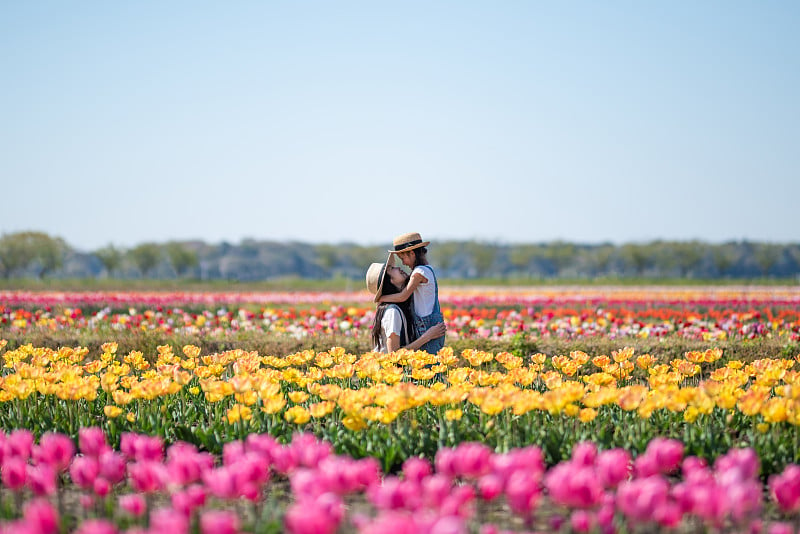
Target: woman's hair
390 289
420 256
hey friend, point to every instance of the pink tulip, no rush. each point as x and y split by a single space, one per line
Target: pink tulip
41 516
582 521
19 444
263 444
366 472
460 503
134 504
780 528
308 450
188 467
112 466
147 476
233 451
42 479
189 499
741 463
445 462
312 517
416 468
219 522
527 459
56 450
92 441
584 454
221 482
448 525
435 490
83 471
14 474
96 526
573 485
141 447
646 465
471 460
490 487
86 501
284 460
396 494
168 521
101 487
613 466
386 522
668 453
522 493
639 499
785 488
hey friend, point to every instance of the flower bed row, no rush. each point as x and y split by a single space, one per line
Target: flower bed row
656 319
395 406
145 486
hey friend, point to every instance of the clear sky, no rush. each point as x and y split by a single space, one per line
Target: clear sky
332 121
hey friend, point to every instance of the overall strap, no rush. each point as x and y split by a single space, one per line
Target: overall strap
435 288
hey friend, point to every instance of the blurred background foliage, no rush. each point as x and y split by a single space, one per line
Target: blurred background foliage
36 256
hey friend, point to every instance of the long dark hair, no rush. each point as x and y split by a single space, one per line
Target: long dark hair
390 289
420 256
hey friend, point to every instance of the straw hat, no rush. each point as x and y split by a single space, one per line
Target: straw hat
409 241
375 279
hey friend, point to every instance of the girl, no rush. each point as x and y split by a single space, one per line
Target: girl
393 327
422 285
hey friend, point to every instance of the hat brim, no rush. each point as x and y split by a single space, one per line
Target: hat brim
412 247
379 291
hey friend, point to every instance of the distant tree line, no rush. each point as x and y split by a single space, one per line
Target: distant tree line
36 254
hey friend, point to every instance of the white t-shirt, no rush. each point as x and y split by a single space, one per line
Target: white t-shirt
391 323
424 294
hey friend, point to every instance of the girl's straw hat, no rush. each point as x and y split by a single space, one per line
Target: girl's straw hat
410 241
375 279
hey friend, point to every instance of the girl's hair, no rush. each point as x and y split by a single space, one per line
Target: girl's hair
390 289
420 256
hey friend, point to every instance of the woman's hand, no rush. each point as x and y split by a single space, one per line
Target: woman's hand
437 330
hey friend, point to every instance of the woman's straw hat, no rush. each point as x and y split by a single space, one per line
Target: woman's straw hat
375 279
409 241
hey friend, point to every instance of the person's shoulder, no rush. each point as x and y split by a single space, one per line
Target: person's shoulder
393 309
424 270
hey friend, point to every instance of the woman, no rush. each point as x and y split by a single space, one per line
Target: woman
422 284
393 328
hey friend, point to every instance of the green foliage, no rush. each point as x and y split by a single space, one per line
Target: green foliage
146 257
182 258
111 257
35 250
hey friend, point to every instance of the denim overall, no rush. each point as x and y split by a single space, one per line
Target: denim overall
422 324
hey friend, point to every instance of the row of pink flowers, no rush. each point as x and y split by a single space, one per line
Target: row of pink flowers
545 296
655 319
593 490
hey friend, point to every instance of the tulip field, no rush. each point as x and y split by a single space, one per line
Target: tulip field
662 409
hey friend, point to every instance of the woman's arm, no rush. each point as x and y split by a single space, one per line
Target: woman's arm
415 280
393 340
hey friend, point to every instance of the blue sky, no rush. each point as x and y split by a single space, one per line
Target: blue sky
526 121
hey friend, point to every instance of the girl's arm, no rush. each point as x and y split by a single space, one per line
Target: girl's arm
415 280
393 340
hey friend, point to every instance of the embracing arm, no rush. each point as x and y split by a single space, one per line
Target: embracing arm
437 330
415 280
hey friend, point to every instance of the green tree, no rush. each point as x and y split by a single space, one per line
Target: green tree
24 250
181 258
635 256
326 256
110 257
482 256
145 256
